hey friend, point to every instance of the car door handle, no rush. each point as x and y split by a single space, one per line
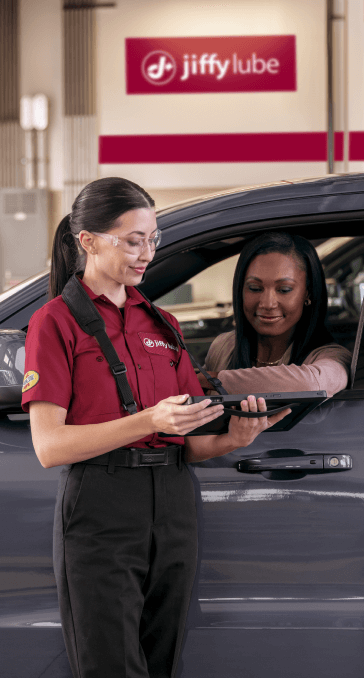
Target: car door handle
311 462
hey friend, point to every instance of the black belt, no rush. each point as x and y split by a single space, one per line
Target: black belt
134 457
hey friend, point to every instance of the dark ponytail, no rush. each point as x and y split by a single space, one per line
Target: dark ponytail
65 255
95 209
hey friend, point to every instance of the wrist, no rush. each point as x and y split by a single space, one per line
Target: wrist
207 447
225 444
143 423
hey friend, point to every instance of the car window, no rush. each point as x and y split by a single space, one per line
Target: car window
203 305
344 273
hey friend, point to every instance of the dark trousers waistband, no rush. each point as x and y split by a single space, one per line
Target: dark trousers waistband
134 457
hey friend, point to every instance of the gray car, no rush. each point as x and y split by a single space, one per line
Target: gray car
280 586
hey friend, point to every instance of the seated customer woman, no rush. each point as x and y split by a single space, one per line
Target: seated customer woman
280 342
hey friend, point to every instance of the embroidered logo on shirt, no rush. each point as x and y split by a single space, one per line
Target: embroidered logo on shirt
31 378
159 344
164 344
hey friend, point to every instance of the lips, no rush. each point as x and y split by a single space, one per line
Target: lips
139 270
269 318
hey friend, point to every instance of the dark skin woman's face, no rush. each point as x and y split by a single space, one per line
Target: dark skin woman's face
274 293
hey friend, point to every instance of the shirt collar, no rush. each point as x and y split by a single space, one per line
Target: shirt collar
133 296
89 291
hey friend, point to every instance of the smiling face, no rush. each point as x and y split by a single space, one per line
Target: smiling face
115 265
274 293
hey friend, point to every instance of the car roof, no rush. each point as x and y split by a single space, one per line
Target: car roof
332 194
279 190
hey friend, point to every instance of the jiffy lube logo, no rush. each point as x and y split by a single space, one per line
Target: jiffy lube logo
159 343
159 68
221 64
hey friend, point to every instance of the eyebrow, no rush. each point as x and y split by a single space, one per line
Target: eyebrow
254 277
141 232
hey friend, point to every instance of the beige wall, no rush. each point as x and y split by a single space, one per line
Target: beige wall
40 34
303 110
355 73
348 95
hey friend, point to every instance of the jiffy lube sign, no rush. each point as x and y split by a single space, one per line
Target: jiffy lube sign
228 64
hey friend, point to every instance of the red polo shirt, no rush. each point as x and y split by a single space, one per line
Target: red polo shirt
65 366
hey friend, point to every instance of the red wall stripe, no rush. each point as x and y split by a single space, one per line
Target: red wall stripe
356 146
201 148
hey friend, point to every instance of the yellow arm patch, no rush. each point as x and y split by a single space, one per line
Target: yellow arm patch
31 378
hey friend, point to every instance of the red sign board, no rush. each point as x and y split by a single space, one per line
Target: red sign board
228 64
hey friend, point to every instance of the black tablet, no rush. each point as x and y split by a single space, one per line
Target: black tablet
301 403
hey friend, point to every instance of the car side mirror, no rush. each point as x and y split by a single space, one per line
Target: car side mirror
12 359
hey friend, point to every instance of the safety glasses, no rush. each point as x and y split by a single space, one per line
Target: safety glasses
132 244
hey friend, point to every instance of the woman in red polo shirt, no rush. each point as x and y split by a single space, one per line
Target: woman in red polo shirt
125 533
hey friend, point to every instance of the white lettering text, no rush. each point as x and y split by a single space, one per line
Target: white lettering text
207 64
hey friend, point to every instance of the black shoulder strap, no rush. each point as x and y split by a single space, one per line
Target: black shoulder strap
89 319
216 383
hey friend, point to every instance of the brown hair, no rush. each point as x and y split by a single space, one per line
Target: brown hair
96 208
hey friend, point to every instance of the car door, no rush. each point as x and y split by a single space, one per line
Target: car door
281 570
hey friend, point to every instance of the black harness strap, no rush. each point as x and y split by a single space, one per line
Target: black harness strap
89 319
216 383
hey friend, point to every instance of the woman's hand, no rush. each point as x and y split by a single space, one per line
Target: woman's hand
171 416
242 431
203 381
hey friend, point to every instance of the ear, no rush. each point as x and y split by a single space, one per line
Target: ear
307 301
87 241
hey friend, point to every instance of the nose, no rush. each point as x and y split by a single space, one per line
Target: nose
268 299
148 251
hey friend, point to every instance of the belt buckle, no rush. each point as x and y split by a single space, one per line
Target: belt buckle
155 459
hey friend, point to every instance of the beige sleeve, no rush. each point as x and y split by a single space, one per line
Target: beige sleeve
325 369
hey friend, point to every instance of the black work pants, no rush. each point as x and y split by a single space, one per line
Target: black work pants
125 551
